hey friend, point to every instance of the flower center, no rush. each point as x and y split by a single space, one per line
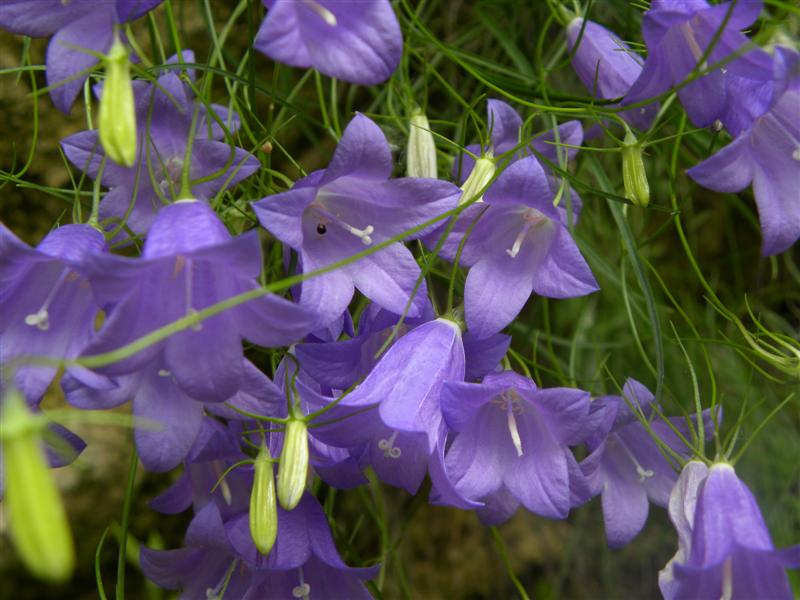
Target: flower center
531 218
325 218
302 591
510 402
324 14
171 172
388 447
41 318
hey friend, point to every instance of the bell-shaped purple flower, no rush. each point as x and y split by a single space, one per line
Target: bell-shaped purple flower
333 214
519 245
678 33
352 40
48 309
164 113
767 156
607 66
512 445
626 465
189 263
78 27
725 547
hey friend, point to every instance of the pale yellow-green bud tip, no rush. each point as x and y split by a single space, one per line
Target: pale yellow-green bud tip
634 176
481 174
117 121
293 465
38 523
263 507
421 151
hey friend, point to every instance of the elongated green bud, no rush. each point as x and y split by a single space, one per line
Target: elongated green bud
421 152
293 465
634 177
38 523
263 508
481 173
117 122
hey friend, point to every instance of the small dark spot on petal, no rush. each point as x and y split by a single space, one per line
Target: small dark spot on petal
322 229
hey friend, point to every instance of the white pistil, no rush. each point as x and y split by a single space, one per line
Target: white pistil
189 280
388 447
796 153
512 429
640 470
164 373
224 488
41 318
218 591
363 234
727 580
302 591
325 14
691 41
514 250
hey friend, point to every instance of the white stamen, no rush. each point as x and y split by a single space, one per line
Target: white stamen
189 279
218 591
302 591
388 447
514 250
640 470
796 153
39 319
512 429
164 373
324 13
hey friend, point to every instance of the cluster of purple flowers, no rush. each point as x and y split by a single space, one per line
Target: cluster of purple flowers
396 388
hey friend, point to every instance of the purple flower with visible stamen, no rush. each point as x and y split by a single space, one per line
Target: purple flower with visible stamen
627 466
352 40
189 263
607 66
767 156
335 213
725 549
512 445
78 27
678 33
48 306
164 114
519 245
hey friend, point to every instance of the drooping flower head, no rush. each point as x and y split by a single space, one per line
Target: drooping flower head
352 40
512 445
78 27
333 214
48 309
725 549
164 115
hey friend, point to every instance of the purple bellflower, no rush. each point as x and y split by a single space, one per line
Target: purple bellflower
626 465
304 562
767 156
190 262
334 213
519 245
678 33
393 418
164 113
77 27
725 550
607 66
46 304
352 40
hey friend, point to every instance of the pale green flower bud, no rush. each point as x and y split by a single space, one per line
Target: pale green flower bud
38 523
263 508
293 465
481 174
117 121
421 151
634 177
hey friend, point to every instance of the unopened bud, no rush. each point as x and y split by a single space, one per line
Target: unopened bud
38 523
421 152
293 465
634 177
117 121
481 174
263 508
